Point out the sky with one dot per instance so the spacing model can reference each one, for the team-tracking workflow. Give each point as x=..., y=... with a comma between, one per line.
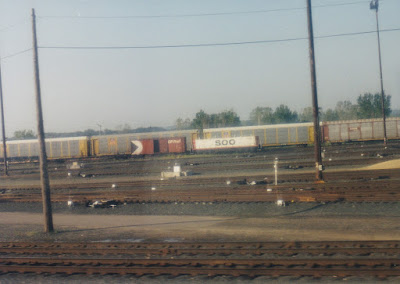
x=168, y=73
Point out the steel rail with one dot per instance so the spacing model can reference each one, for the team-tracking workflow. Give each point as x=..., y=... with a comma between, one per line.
x=235, y=267
x=331, y=177
x=293, y=244
x=253, y=248
x=67, y=258
x=220, y=195
x=209, y=252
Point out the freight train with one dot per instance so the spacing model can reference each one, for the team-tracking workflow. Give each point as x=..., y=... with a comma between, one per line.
x=215, y=139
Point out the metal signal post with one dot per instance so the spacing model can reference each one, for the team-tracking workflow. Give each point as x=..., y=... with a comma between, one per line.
x=44, y=175
x=317, y=136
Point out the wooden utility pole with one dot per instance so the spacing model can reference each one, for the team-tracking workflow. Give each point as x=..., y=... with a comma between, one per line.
x=374, y=5
x=317, y=135
x=3, y=129
x=44, y=175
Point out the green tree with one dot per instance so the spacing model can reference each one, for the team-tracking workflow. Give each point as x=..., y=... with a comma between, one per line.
x=306, y=115
x=181, y=124
x=283, y=114
x=370, y=105
x=330, y=115
x=228, y=118
x=201, y=120
x=346, y=110
x=24, y=134
x=91, y=132
x=214, y=120
x=223, y=119
x=395, y=113
x=262, y=115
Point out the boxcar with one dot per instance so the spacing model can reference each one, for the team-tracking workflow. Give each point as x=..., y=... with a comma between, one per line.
x=117, y=144
x=158, y=146
x=269, y=135
x=360, y=130
x=56, y=148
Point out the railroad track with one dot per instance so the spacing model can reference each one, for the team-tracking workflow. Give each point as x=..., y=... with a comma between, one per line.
x=230, y=164
x=369, y=258
x=286, y=179
x=108, y=166
x=368, y=186
x=169, y=196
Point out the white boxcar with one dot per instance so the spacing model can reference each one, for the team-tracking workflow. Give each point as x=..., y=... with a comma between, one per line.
x=230, y=143
x=275, y=134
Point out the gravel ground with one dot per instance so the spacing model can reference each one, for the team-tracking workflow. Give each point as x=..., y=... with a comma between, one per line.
x=242, y=209
x=261, y=221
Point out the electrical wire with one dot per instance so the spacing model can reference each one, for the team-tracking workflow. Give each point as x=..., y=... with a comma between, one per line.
x=358, y=33
x=16, y=24
x=170, y=16
x=202, y=14
x=15, y=54
x=214, y=44
x=169, y=46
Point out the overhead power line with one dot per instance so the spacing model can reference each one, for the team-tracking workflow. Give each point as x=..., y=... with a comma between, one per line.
x=15, y=54
x=171, y=16
x=170, y=46
x=203, y=14
x=9, y=27
x=358, y=33
x=213, y=44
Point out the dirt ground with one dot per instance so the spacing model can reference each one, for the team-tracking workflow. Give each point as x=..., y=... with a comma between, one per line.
x=19, y=226
x=393, y=164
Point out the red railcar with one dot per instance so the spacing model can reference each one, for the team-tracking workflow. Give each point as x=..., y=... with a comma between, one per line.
x=158, y=146
x=177, y=145
x=142, y=147
x=161, y=145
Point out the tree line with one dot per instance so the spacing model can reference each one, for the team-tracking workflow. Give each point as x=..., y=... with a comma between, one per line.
x=366, y=106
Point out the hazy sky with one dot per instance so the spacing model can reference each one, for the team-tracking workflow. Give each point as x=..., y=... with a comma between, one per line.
x=82, y=88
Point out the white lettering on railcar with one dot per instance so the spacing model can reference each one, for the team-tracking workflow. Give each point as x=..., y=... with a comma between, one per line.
x=175, y=141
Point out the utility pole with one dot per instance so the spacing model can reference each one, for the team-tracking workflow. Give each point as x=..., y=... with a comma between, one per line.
x=3, y=128
x=44, y=175
x=99, y=125
x=374, y=5
x=317, y=135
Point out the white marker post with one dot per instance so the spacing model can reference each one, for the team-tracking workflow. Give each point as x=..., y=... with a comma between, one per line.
x=276, y=170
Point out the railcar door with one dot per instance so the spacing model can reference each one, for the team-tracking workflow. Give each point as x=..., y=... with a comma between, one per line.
x=83, y=148
x=95, y=147
x=156, y=146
